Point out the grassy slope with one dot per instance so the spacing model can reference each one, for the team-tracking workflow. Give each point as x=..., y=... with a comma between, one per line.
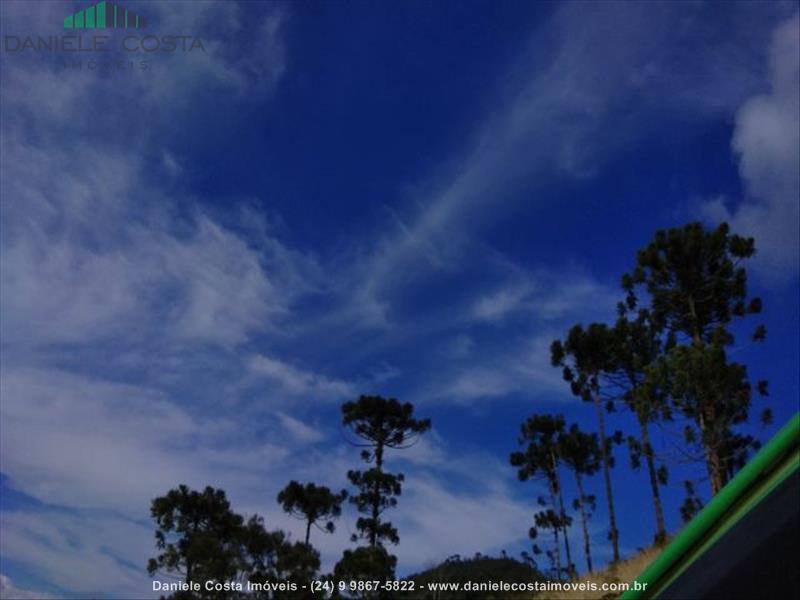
x=508, y=569
x=623, y=572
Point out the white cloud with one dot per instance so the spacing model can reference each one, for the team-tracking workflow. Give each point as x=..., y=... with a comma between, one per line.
x=70, y=288
x=545, y=295
x=519, y=367
x=767, y=142
x=455, y=500
x=299, y=382
x=8, y=591
x=590, y=83
x=300, y=431
x=107, y=266
x=122, y=296
x=90, y=555
x=531, y=309
x=211, y=265
x=501, y=302
x=106, y=449
x=94, y=241
x=437, y=522
x=117, y=286
x=82, y=442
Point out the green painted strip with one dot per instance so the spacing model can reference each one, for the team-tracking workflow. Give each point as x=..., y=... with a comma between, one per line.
x=79, y=19
x=738, y=511
x=101, y=14
x=90, y=17
x=137, y=21
x=126, y=18
x=766, y=470
x=115, y=16
x=68, y=22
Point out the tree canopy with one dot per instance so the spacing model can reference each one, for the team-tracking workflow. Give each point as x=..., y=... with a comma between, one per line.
x=312, y=504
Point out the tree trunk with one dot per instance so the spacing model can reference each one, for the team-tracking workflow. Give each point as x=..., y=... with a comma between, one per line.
x=562, y=515
x=716, y=475
x=584, y=522
x=308, y=532
x=557, y=548
x=661, y=528
x=373, y=534
x=613, y=534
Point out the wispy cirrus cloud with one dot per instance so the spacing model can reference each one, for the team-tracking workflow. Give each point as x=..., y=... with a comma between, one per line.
x=299, y=430
x=585, y=101
x=299, y=382
x=9, y=590
x=491, y=373
x=544, y=295
x=153, y=336
x=71, y=440
x=117, y=289
x=84, y=555
x=93, y=238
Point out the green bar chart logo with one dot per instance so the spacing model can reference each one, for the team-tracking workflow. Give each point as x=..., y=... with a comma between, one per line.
x=105, y=15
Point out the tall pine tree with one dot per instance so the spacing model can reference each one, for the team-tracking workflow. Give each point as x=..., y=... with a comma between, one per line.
x=697, y=288
x=584, y=356
x=312, y=503
x=580, y=451
x=378, y=424
x=540, y=436
x=636, y=346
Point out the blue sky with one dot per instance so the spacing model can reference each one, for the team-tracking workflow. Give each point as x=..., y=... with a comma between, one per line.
x=203, y=259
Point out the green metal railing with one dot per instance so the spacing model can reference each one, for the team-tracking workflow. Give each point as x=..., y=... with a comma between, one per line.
x=773, y=463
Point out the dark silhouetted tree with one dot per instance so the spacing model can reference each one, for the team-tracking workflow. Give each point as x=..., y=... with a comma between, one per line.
x=365, y=564
x=378, y=424
x=271, y=558
x=198, y=535
x=316, y=505
x=580, y=452
x=261, y=550
x=539, y=436
x=697, y=288
x=716, y=394
x=584, y=356
x=201, y=539
x=636, y=347
x=544, y=520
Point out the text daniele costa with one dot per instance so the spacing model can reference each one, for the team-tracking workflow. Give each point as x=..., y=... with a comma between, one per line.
x=224, y=586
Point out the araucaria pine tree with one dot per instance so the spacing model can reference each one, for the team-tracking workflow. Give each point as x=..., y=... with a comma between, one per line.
x=697, y=288
x=315, y=504
x=200, y=538
x=580, y=452
x=544, y=520
x=540, y=436
x=378, y=424
x=636, y=346
x=584, y=357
